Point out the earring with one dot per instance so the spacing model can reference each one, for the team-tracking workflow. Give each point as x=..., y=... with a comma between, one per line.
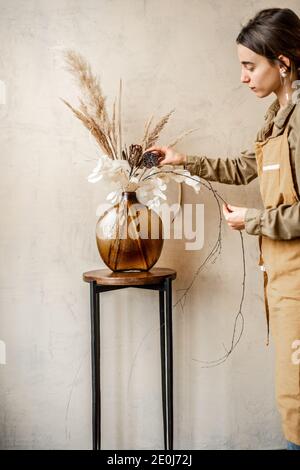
x=284, y=80
x=283, y=73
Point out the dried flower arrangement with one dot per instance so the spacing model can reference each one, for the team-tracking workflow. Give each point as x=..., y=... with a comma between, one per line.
x=129, y=168
x=133, y=169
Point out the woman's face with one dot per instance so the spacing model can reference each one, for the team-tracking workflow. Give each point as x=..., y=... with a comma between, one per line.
x=257, y=72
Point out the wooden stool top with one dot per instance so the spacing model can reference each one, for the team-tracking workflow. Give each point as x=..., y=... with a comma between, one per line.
x=130, y=278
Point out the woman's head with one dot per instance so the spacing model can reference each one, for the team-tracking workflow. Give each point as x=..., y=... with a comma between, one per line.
x=267, y=44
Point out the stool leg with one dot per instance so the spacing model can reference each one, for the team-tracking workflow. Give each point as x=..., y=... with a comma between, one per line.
x=169, y=359
x=95, y=356
x=162, y=319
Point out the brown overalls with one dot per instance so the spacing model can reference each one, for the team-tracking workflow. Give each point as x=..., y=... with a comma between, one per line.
x=280, y=260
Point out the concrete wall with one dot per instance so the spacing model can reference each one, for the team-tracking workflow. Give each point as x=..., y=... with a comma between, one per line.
x=169, y=53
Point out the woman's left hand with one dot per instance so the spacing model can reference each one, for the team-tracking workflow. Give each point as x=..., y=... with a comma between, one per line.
x=235, y=216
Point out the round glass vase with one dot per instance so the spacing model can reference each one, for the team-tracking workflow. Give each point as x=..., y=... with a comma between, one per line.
x=129, y=235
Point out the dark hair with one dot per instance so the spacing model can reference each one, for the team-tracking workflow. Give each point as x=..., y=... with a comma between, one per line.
x=272, y=32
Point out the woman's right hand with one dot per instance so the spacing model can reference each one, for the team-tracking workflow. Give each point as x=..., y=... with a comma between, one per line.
x=168, y=156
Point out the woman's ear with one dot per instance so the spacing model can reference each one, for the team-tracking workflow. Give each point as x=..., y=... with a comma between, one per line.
x=285, y=60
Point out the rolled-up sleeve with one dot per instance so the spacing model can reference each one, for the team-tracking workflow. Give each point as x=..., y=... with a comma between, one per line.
x=281, y=223
x=236, y=171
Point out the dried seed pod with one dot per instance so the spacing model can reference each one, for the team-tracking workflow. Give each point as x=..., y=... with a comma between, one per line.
x=151, y=159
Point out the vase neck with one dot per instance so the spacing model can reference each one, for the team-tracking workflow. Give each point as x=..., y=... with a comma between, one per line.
x=129, y=196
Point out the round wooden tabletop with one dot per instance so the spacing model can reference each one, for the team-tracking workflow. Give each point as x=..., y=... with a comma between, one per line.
x=129, y=278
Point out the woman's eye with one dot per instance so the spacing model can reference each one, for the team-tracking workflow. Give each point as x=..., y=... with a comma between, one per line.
x=250, y=69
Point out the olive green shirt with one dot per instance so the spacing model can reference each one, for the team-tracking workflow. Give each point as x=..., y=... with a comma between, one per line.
x=282, y=222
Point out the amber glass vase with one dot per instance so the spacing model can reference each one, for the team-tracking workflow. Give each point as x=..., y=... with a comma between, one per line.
x=129, y=235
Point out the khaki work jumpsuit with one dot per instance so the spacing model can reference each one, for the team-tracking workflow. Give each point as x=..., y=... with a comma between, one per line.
x=280, y=260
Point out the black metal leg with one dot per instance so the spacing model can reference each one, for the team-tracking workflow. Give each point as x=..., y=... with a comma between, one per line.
x=95, y=356
x=169, y=361
x=166, y=341
x=162, y=319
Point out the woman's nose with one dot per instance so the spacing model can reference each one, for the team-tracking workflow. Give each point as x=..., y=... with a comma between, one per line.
x=244, y=78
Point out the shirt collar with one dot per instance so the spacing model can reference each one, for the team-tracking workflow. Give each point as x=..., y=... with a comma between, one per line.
x=279, y=116
x=272, y=110
x=282, y=116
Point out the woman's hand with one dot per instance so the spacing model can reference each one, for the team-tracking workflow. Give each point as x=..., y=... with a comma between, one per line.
x=235, y=216
x=168, y=156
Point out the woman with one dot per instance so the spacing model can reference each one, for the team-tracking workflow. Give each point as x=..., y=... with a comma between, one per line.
x=269, y=53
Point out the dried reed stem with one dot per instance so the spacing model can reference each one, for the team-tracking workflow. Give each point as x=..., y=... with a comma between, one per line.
x=90, y=124
x=120, y=120
x=93, y=103
x=155, y=133
x=181, y=136
x=146, y=132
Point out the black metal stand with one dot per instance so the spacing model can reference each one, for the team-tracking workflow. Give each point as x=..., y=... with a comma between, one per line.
x=166, y=342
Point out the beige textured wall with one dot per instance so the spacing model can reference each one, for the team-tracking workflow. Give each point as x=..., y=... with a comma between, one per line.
x=170, y=53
